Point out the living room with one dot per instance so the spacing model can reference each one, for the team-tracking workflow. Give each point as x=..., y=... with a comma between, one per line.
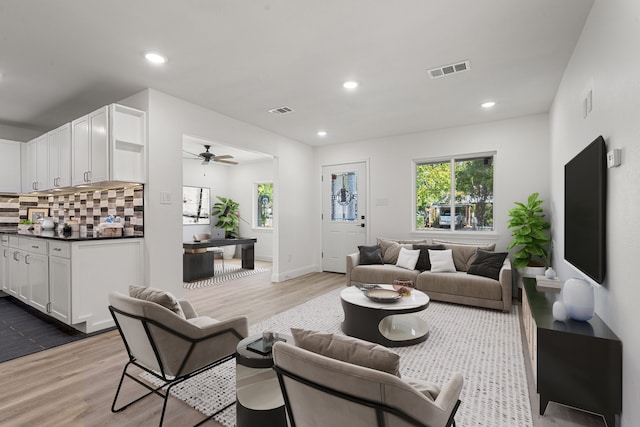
x=531, y=152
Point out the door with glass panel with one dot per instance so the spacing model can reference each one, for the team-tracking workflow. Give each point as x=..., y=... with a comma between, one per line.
x=343, y=213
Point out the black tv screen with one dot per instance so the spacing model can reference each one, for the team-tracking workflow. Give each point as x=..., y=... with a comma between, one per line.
x=585, y=200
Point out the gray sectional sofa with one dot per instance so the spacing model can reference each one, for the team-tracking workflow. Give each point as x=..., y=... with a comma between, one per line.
x=462, y=286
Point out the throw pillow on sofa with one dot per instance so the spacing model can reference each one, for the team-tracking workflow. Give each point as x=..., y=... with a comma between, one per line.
x=391, y=248
x=441, y=261
x=408, y=258
x=370, y=255
x=424, y=263
x=464, y=253
x=487, y=264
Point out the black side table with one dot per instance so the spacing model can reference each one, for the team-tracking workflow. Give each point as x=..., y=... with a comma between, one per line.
x=259, y=399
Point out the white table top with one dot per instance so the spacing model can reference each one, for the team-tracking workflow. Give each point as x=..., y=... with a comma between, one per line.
x=353, y=295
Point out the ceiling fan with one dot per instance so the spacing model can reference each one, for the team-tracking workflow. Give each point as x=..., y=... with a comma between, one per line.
x=207, y=157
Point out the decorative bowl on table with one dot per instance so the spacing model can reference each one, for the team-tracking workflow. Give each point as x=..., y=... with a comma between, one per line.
x=403, y=287
x=383, y=295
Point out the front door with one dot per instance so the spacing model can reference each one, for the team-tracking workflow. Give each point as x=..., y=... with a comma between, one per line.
x=344, y=197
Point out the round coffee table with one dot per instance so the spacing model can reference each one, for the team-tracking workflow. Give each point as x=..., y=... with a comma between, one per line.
x=259, y=399
x=391, y=324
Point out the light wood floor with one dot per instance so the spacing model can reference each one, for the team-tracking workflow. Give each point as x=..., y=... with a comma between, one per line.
x=74, y=384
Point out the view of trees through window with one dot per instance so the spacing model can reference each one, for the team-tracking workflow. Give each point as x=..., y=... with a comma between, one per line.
x=461, y=186
x=264, y=205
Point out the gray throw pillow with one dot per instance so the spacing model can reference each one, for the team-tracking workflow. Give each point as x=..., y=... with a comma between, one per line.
x=424, y=263
x=348, y=349
x=158, y=296
x=487, y=264
x=370, y=255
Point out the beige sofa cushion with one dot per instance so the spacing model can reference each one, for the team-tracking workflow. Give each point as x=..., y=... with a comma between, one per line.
x=391, y=248
x=464, y=253
x=461, y=284
x=158, y=296
x=348, y=349
x=381, y=273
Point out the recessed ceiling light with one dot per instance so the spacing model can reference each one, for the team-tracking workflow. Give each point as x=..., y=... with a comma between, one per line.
x=155, y=58
x=350, y=85
x=488, y=104
x=322, y=133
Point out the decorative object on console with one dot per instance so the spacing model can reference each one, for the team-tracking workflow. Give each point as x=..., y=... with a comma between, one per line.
x=579, y=299
x=559, y=311
x=545, y=284
x=550, y=273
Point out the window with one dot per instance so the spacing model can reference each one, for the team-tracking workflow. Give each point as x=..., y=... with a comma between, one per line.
x=264, y=211
x=455, y=194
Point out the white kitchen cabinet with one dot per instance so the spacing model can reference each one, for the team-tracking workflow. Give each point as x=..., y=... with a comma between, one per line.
x=28, y=271
x=35, y=164
x=60, y=281
x=10, y=159
x=5, y=254
x=60, y=157
x=109, y=144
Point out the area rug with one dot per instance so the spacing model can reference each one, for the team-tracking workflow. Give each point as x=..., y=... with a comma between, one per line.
x=230, y=272
x=484, y=345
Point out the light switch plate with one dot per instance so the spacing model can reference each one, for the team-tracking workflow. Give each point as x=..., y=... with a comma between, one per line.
x=165, y=198
x=613, y=158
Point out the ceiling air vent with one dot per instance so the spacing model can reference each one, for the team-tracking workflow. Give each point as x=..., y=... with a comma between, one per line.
x=447, y=70
x=281, y=110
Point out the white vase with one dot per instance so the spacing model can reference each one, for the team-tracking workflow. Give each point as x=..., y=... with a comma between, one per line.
x=559, y=311
x=550, y=273
x=579, y=299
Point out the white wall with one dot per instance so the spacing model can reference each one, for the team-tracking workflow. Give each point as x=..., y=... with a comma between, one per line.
x=521, y=168
x=605, y=61
x=169, y=119
x=242, y=181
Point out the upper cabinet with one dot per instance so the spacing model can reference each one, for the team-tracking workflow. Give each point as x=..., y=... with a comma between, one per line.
x=35, y=164
x=60, y=157
x=10, y=154
x=109, y=144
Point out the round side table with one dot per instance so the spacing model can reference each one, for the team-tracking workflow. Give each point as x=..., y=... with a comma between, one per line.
x=259, y=401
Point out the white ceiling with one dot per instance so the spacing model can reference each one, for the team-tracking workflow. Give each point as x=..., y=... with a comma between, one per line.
x=60, y=59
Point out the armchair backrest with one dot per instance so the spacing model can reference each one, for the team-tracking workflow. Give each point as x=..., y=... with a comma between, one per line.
x=320, y=391
x=164, y=342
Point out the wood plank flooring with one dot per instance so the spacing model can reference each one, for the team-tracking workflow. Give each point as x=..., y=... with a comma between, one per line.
x=74, y=384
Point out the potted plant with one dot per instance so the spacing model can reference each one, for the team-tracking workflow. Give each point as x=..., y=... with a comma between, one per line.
x=528, y=228
x=226, y=211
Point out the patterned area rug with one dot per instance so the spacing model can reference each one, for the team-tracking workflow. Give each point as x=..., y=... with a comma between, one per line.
x=230, y=272
x=484, y=345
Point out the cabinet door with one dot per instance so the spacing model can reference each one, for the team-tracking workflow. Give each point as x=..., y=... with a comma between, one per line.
x=60, y=288
x=99, y=145
x=10, y=166
x=80, y=151
x=42, y=163
x=5, y=256
x=14, y=274
x=28, y=166
x=60, y=157
x=38, y=280
x=23, y=278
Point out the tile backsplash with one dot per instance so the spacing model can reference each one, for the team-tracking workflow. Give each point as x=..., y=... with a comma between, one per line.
x=88, y=207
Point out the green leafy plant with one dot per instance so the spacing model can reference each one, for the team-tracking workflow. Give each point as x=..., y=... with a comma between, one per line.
x=528, y=227
x=25, y=222
x=226, y=210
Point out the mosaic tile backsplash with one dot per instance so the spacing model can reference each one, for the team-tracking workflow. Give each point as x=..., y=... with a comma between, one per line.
x=89, y=208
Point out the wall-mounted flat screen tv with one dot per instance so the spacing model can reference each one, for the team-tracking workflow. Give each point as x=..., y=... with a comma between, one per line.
x=585, y=208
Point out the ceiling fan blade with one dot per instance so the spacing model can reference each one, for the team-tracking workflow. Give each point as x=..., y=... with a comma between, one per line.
x=229, y=162
x=195, y=156
x=224, y=156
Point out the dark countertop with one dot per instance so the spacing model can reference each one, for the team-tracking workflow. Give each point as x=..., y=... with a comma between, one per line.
x=58, y=235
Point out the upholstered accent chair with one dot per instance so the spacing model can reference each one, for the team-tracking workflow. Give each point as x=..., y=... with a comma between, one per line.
x=323, y=391
x=166, y=338
x=217, y=251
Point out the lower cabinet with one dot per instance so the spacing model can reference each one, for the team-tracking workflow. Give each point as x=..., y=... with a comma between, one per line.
x=71, y=281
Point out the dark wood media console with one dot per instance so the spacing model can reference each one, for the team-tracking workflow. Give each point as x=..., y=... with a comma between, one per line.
x=578, y=364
